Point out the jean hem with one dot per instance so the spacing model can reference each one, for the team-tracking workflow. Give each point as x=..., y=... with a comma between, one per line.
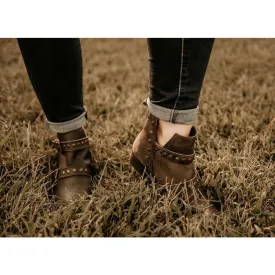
x=67, y=126
x=175, y=116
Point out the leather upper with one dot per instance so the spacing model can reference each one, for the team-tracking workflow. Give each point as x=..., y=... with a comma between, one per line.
x=168, y=164
x=75, y=165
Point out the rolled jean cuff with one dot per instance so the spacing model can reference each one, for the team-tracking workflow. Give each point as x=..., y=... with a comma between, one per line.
x=172, y=115
x=67, y=126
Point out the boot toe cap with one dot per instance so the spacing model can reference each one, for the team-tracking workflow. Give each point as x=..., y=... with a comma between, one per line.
x=72, y=188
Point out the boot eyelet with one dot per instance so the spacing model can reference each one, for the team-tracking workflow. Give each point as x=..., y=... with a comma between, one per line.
x=68, y=171
x=150, y=140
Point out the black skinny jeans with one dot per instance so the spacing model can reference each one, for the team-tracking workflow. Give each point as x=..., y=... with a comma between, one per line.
x=55, y=69
x=177, y=69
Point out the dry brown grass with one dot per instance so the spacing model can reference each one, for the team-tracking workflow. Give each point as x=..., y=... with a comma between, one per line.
x=235, y=148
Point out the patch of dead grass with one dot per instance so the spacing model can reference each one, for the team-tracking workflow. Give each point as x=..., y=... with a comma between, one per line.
x=235, y=148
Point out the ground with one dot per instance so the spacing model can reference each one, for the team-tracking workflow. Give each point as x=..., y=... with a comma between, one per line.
x=235, y=151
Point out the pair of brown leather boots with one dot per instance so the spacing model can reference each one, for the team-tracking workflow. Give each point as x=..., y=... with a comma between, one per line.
x=172, y=164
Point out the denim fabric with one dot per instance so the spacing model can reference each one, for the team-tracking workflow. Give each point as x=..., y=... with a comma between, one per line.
x=67, y=126
x=177, y=69
x=54, y=66
x=181, y=117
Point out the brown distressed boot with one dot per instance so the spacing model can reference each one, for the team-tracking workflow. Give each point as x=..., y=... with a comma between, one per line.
x=75, y=165
x=172, y=164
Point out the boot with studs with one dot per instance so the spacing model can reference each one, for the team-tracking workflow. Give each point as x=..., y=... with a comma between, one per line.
x=75, y=165
x=170, y=165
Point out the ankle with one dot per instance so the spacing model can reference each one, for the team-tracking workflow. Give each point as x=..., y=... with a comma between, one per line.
x=166, y=130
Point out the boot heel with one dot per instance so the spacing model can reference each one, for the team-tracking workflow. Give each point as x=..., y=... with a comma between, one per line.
x=139, y=167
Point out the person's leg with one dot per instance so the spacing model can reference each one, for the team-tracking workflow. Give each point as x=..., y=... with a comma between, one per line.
x=165, y=146
x=55, y=70
x=177, y=69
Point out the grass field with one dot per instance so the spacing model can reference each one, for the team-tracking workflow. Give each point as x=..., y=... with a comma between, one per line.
x=235, y=148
